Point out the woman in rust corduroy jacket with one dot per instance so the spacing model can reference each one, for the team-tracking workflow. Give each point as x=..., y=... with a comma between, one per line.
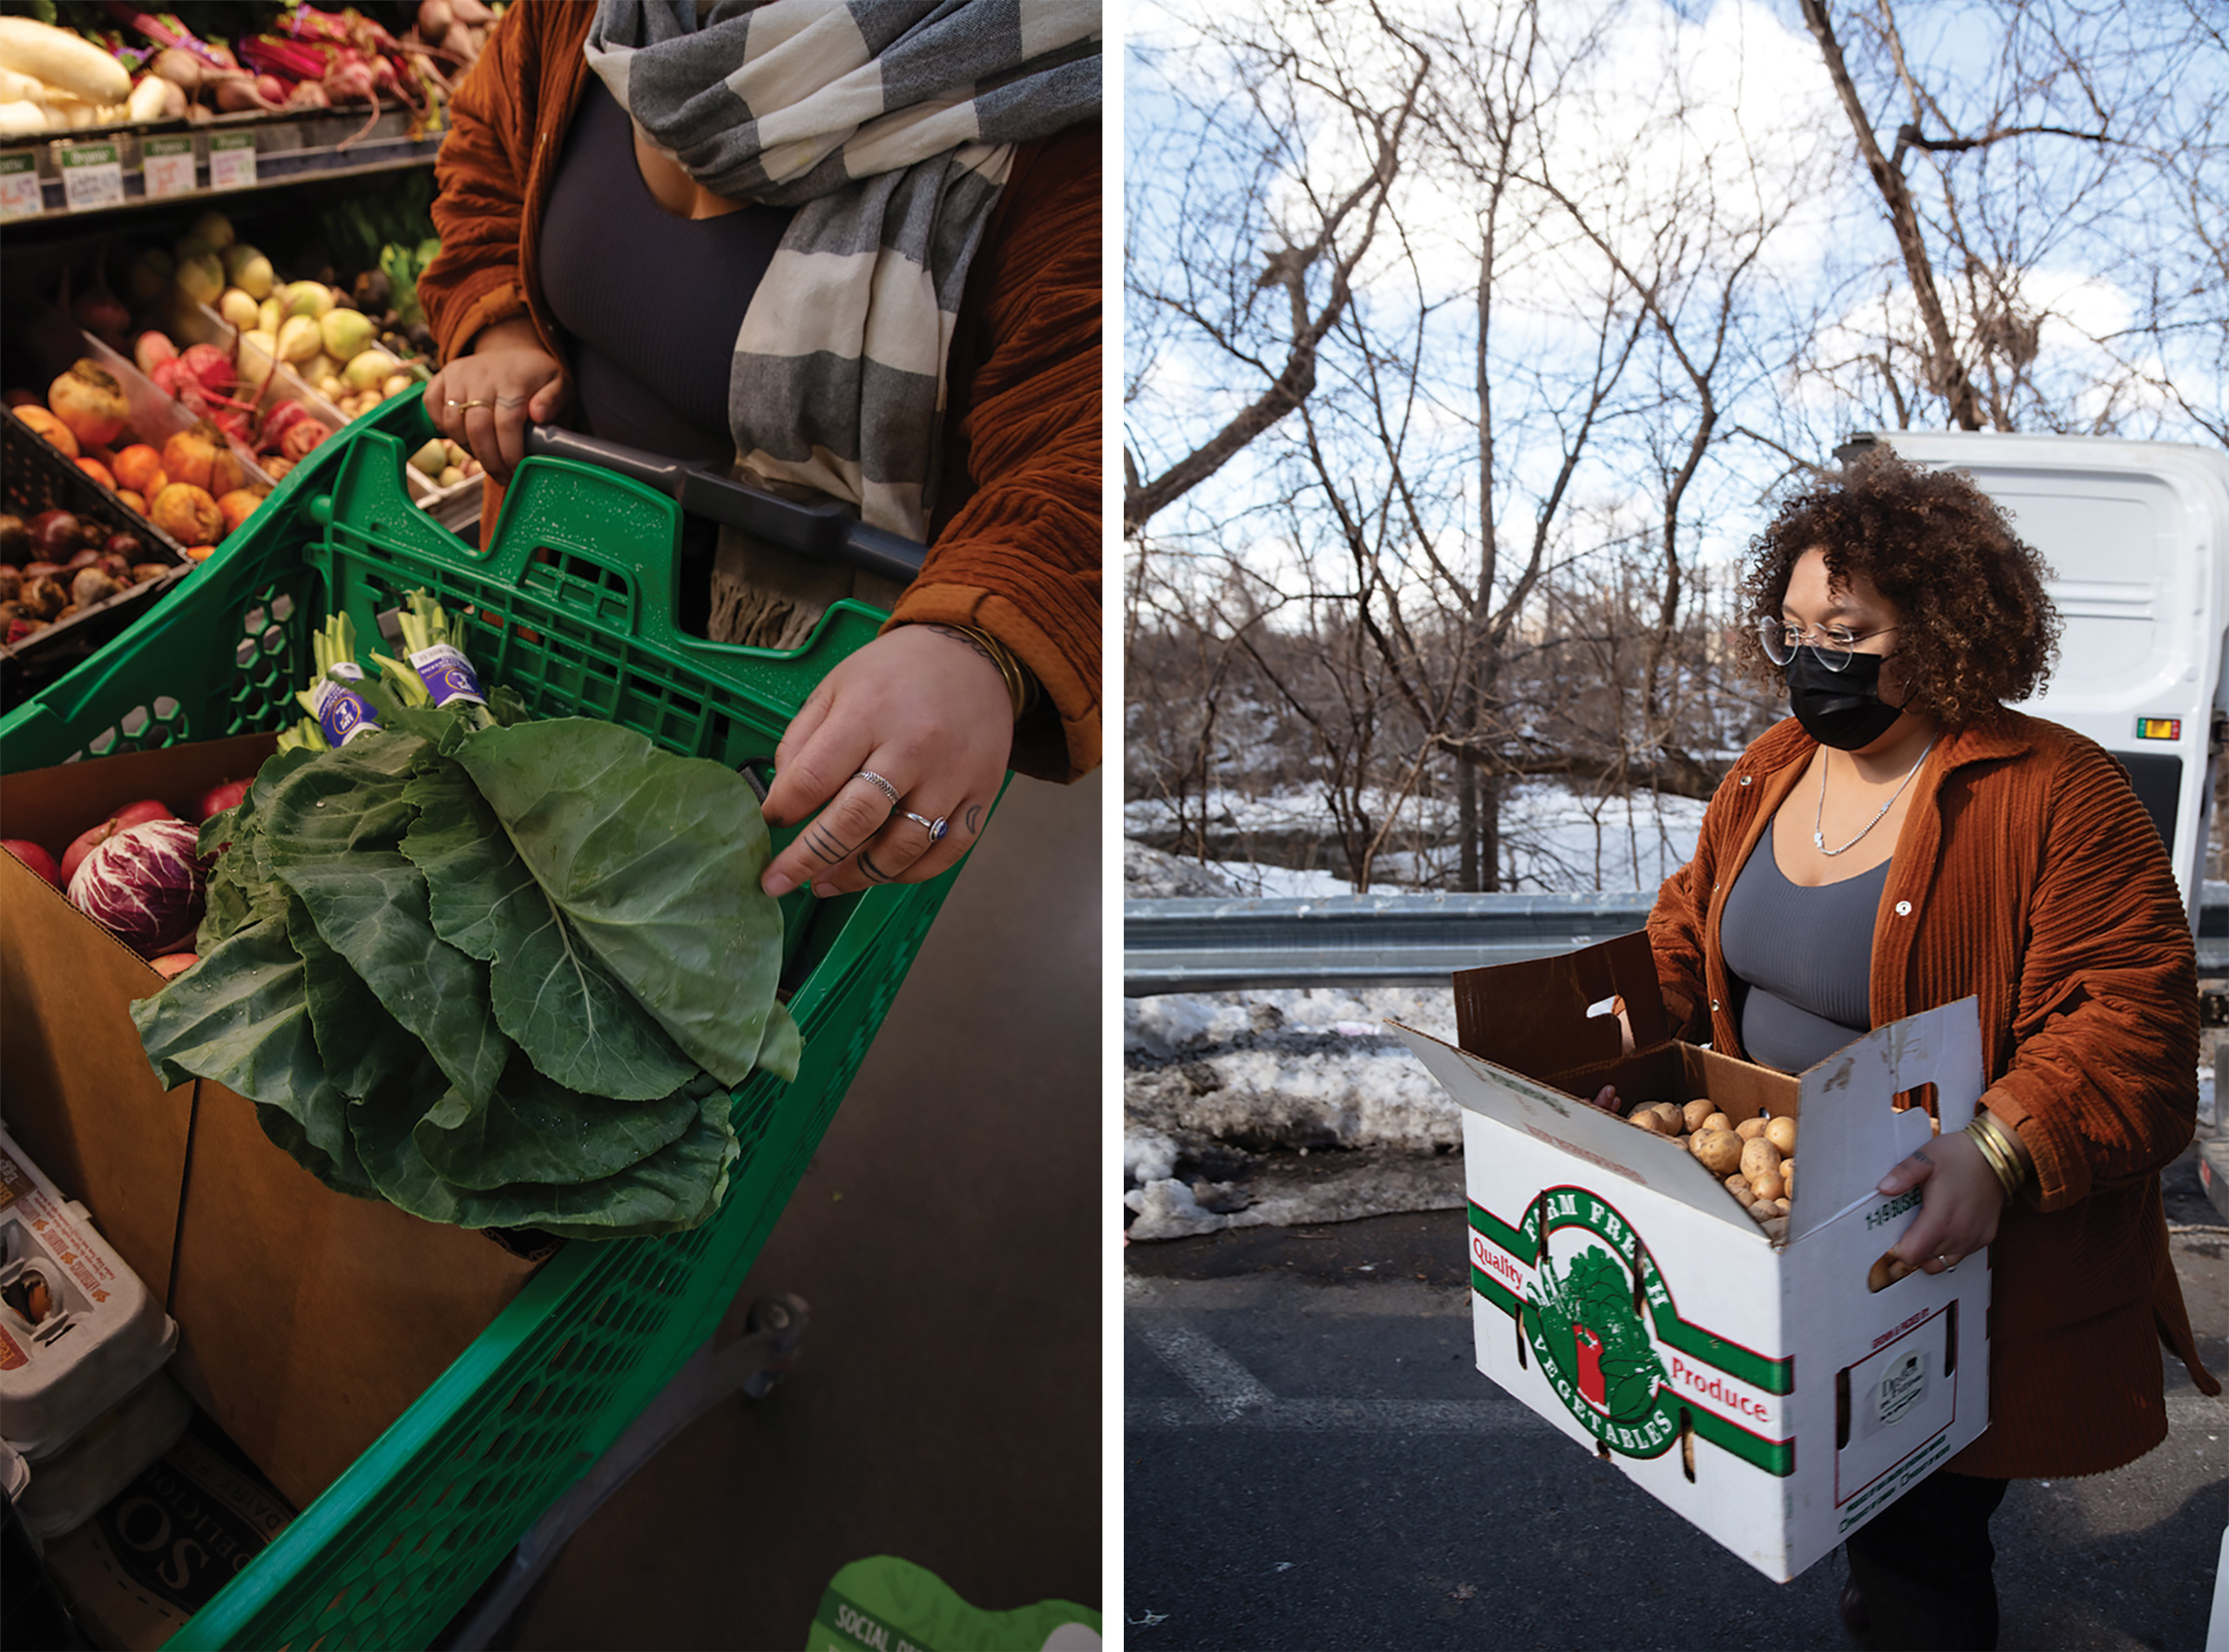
x=1014, y=541
x=2024, y=871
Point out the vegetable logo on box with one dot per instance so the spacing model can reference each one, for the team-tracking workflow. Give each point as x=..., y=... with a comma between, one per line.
x=1592, y=1310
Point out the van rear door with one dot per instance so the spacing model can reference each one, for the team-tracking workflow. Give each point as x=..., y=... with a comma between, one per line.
x=2137, y=537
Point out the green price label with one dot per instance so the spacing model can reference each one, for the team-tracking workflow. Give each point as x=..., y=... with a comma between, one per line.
x=19, y=195
x=92, y=176
x=167, y=164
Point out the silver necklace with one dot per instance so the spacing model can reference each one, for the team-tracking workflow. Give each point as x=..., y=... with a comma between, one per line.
x=1818, y=837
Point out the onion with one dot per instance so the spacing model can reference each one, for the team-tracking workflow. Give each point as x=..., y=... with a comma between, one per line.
x=144, y=886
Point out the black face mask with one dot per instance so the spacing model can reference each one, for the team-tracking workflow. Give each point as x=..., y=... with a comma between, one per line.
x=1839, y=708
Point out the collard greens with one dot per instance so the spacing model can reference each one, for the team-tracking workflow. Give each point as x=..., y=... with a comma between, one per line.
x=495, y=975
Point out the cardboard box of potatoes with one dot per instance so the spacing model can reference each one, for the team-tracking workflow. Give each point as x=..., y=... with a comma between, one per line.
x=1669, y=1292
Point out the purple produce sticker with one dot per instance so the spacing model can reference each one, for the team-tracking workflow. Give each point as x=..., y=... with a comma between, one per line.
x=341, y=713
x=448, y=675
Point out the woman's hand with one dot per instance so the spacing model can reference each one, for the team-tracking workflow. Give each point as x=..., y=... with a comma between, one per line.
x=486, y=400
x=1959, y=1201
x=927, y=710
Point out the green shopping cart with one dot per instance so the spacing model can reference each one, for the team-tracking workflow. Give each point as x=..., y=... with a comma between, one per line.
x=574, y=607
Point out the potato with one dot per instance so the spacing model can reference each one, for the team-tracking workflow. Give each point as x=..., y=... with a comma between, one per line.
x=1649, y=1119
x=1738, y=1188
x=1783, y=1205
x=1715, y=1121
x=1695, y=1112
x=1750, y=1129
x=1768, y=1186
x=1788, y=1177
x=1720, y=1150
x=1781, y=1132
x=1776, y=1230
x=1758, y=1156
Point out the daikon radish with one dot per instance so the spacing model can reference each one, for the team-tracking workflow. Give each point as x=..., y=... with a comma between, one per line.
x=61, y=58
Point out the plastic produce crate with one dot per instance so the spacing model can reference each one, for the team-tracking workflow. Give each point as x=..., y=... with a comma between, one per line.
x=571, y=606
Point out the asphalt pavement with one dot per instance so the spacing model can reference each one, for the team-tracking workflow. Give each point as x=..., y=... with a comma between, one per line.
x=1313, y=1460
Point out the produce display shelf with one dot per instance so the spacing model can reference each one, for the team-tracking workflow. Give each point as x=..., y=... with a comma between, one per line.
x=572, y=606
x=288, y=149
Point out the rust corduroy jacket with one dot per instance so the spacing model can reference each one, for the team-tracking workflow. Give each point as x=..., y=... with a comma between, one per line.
x=2027, y=873
x=1015, y=539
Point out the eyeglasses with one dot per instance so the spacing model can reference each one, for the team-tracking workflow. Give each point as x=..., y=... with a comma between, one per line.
x=1834, y=644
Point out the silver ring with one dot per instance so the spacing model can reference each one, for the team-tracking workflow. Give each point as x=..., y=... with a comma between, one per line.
x=881, y=784
x=936, y=828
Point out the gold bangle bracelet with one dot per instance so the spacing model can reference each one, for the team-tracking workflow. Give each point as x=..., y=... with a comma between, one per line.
x=2000, y=1162
x=1021, y=686
x=1990, y=1137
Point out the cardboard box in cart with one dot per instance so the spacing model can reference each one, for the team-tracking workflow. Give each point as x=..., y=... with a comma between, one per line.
x=1777, y=1396
x=309, y=1320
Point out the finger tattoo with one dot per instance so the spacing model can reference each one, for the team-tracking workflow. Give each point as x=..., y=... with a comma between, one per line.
x=820, y=842
x=874, y=873
x=974, y=819
x=511, y=401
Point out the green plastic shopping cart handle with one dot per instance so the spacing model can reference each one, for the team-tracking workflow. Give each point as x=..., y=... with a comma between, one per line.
x=822, y=530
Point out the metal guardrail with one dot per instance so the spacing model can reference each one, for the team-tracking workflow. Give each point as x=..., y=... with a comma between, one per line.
x=1221, y=945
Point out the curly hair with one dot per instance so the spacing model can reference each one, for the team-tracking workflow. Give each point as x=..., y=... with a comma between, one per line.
x=1976, y=627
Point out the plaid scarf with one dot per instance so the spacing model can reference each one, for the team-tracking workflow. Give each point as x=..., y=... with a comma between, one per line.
x=890, y=126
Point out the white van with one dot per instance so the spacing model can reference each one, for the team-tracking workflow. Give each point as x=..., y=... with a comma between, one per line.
x=2137, y=537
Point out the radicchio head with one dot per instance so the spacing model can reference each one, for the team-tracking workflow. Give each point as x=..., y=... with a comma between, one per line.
x=144, y=886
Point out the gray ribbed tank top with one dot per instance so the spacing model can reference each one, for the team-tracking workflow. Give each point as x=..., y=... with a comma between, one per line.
x=1801, y=960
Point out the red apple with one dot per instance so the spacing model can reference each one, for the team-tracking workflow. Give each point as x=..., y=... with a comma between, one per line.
x=31, y=855
x=130, y=816
x=218, y=799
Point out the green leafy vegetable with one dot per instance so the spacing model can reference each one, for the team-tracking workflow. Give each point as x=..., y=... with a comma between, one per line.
x=656, y=859
x=497, y=972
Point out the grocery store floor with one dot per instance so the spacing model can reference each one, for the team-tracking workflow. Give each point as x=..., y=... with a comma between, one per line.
x=946, y=1239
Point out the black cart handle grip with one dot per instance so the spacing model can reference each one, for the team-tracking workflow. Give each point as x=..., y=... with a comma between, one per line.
x=822, y=530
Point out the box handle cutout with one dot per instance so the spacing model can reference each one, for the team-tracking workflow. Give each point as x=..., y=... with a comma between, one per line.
x=1842, y=1408
x=1687, y=1443
x=1888, y=1271
x=1950, y=1339
x=1602, y=1006
x=1923, y=1096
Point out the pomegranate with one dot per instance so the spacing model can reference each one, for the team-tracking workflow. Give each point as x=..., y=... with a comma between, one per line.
x=99, y=472
x=89, y=400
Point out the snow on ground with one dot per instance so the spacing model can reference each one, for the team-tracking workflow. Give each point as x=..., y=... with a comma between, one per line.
x=1554, y=838
x=1220, y=1089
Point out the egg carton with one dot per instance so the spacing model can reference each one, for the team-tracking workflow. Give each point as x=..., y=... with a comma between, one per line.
x=107, y=1455
x=78, y=1330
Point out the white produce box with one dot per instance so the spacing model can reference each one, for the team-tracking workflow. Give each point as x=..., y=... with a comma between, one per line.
x=1769, y=1392
x=102, y=1334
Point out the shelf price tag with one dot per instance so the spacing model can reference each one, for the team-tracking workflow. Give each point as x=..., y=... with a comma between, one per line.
x=19, y=195
x=92, y=176
x=231, y=159
x=168, y=164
